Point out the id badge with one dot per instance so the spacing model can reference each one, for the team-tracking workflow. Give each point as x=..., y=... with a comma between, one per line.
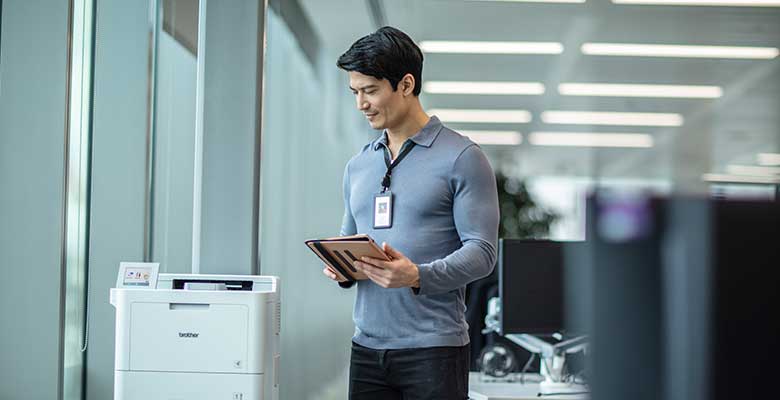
x=383, y=210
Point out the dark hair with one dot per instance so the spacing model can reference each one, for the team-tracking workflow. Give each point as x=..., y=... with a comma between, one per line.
x=388, y=54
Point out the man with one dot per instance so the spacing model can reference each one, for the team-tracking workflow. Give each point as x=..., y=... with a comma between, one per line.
x=431, y=193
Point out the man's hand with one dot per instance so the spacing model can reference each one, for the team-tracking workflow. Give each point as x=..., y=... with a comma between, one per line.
x=398, y=272
x=332, y=275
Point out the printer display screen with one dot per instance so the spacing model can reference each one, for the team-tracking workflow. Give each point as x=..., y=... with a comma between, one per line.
x=137, y=276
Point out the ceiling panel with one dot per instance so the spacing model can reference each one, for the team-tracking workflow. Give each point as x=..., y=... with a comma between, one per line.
x=717, y=132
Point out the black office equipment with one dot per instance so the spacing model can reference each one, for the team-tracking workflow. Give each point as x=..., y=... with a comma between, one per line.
x=532, y=294
x=530, y=276
x=744, y=255
x=622, y=271
x=683, y=297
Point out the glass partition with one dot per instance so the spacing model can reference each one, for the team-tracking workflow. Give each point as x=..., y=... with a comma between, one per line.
x=175, y=152
x=205, y=135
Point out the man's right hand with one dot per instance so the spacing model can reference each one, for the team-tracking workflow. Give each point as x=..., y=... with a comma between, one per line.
x=332, y=275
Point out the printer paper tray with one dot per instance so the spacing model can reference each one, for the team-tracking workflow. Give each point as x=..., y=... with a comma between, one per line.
x=146, y=385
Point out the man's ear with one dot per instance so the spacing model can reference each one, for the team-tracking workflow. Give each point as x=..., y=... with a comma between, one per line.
x=407, y=84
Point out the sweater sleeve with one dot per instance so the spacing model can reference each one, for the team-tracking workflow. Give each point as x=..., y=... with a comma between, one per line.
x=476, y=215
x=348, y=226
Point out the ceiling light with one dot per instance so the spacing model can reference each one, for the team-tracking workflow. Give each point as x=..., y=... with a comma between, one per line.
x=494, y=137
x=626, y=90
x=666, y=50
x=529, y=1
x=752, y=170
x=477, y=47
x=769, y=159
x=485, y=116
x=511, y=88
x=739, y=178
x=726, y=3
x=611, y=118
x=588, y=139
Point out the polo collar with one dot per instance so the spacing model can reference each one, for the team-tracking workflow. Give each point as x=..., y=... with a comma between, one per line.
x=424, y=137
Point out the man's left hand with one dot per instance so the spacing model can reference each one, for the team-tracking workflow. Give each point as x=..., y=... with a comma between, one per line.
x=398, y=272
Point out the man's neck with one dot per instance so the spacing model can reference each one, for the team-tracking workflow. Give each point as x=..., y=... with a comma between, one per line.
x=408, y=128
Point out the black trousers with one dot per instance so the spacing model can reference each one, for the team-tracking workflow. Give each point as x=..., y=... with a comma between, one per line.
x=409, y=374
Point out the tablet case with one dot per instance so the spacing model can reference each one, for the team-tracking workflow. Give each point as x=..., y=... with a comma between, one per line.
x=340, y=252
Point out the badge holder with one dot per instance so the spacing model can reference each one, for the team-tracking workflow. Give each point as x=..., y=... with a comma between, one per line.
x=383, y=210
x=383, y=201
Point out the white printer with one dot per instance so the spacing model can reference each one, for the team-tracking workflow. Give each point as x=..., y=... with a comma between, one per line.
x=198, y=337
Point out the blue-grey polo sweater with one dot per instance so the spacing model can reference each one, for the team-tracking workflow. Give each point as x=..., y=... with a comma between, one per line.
x=445, y=220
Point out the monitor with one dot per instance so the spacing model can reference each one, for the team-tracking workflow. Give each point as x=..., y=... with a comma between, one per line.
x=531, y=286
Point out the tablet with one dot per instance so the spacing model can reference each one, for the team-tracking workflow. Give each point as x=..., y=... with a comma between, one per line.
x=340, y=252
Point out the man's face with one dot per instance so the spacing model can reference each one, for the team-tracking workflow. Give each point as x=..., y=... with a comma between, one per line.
x=383, y=107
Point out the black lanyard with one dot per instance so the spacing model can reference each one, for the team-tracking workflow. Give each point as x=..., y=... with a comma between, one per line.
x=390, y=166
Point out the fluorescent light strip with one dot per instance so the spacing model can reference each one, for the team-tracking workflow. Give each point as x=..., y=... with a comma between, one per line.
x=630, y=90
x=589, y=139
x=529, y=1
x=482, y=116
x=477, y=47
x=727, y=178
x=752, y=170
x=769, y=159
x=666, y=50
x=502, y=88
x=611, y=118
x=510, y=138
x=716, y=3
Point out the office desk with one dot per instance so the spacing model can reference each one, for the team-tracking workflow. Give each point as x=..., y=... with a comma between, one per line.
x=511, y=390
